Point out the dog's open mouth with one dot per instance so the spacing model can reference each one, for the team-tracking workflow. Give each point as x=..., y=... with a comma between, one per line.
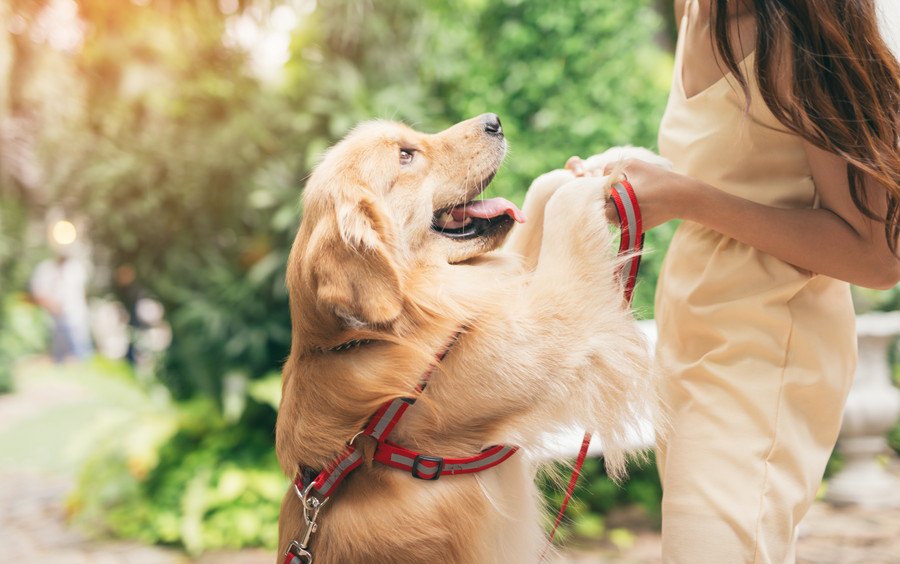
x=475, y=218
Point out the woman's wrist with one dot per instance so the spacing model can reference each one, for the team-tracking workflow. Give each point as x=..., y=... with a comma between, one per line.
x=684, y=197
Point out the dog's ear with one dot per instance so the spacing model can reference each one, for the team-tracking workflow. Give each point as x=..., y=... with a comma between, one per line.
x=354, y=270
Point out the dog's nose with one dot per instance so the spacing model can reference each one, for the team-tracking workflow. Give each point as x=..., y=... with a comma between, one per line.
x=492, y=125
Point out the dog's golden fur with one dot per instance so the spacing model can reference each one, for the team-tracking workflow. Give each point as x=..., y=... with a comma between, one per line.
x=548, y=343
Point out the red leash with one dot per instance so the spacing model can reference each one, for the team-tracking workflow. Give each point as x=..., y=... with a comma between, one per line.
x=630, y=245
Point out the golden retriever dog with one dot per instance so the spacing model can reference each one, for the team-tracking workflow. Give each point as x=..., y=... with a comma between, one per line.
x=394, y=256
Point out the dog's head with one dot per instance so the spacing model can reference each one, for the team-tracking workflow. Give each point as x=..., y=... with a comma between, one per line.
x=388, y=199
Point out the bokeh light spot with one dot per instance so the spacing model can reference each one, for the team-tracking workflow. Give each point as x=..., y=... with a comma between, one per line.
x=64, y=232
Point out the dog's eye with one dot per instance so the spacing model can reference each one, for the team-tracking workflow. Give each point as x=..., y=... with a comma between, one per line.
x=406, y=156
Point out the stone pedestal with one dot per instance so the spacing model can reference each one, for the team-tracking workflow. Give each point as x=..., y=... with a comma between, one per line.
x=873, y=408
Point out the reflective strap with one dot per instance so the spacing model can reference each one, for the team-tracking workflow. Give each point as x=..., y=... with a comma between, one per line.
x=396, y=456
x=632, y=239
x=386, y=417
x=331, y=477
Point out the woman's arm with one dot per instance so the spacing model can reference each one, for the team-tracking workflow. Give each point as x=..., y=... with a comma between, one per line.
x=836, y=239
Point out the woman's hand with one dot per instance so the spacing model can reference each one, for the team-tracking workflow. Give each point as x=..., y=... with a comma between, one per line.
x=661, y=193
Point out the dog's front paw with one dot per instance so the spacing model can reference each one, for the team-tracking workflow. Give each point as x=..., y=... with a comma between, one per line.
x=580, y=196
x=577, y=215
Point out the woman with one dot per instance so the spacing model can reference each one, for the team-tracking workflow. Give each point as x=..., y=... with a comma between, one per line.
x=782, y=125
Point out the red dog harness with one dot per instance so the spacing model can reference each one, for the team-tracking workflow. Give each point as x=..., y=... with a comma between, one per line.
x=315, y=489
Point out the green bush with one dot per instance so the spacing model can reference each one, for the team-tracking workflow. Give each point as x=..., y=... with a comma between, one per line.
x=597, y=494
x=24, y=330
x=13, y=218
x=186, y=478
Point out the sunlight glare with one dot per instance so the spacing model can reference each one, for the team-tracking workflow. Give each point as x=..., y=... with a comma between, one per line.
x=64, y=232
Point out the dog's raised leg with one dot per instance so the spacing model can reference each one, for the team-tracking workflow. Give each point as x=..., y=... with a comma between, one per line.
x=525, y=240
x=602, y=361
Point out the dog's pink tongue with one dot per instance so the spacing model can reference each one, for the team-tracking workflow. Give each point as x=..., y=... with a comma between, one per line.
x=488, y=209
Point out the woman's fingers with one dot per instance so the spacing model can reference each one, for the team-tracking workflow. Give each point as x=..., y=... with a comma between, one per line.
x=614, y=166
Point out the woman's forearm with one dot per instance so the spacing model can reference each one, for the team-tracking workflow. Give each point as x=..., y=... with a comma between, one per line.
x=817, y=240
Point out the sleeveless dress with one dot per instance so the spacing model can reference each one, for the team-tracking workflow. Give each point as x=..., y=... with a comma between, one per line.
x=757, y=356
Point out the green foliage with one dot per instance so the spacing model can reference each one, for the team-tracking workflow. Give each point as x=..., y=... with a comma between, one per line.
x=597, y=494
x=566, y=77
x=187, y=478
x=865, y=300
x=183, y=170
x=23, y=330
x=26, y=326
x=12, y=227
x=6, y=376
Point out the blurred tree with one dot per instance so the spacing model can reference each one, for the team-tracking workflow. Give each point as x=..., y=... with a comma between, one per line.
x=179, y=163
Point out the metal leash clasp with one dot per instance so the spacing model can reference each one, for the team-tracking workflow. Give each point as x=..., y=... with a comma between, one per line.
x=296, y=554
x=298, y=550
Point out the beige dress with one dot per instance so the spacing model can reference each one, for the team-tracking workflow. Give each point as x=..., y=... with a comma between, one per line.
x=757, y=355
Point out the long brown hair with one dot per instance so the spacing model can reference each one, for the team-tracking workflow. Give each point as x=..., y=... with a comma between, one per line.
x=844, y=91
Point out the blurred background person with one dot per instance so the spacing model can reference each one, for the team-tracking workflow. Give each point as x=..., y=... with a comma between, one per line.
x=58, y=285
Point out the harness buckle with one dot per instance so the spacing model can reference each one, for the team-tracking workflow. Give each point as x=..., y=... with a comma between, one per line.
x=416, y=469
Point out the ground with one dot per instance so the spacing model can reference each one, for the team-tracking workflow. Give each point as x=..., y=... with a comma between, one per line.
x=41, y=446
